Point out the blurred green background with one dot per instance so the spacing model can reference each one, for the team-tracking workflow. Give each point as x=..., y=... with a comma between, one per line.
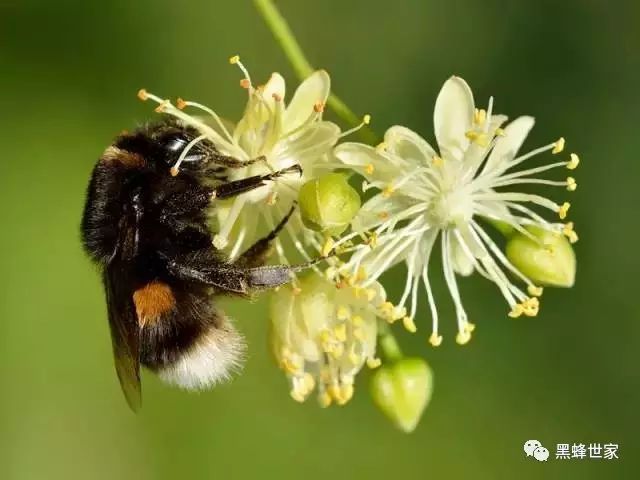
x=70, y=71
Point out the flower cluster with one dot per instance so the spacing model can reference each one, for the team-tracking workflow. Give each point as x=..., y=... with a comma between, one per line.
x=427, y=196
x=325, y=325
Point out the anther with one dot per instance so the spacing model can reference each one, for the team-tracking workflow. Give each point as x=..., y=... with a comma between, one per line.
x=143, y=95
x=437, y=161
x=500, y=132
x=235, y=59
x=558, y=146
x=573, y=162
x=276, y=97
x=373, y=362
x=571, y=184
x=409, y=324
x=174, y=171
x=181, y=104
x=516, y=311
x=534, y=291
x=366, y=119
x=341, y=332
x=245, y=83
x=318, y=107
x=562, y=211
x=388, y=191
x=435, y=339
x=462, y=338
x=369, y=169
x=568, y=232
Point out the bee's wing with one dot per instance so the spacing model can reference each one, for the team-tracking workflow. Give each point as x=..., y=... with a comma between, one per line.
x=125, y=334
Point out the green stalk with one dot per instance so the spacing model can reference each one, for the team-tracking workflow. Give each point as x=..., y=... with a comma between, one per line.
x=301, y=65
x=388, y=343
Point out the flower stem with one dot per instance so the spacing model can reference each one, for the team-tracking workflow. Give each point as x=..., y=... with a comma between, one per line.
x=388, y=343
x=301, y=65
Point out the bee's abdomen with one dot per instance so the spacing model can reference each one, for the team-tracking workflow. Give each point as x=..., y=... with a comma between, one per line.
x=193, y=345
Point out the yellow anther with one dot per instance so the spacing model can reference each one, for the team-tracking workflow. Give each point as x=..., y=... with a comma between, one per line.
x=462, y=338
x=245, y=83
x=346, y=394
x=409, y=324
x=471, y=135
x=479, y=116
x=373, y=362
x=276, y=97
x=531, y=307
x=388, y=191
x=357, y=321
x=343, y=313
x=558, y=146
x=327, y=247
x=562, y=211
x=324, y=399
x=366, y=119
x=470, y=327
x=435, y=339
x=180, y=104
x=325, y=336
x=297, y=395
x=570, y=233
x=383, y=215
x=296, y=291
x=369, y=168
x=371, y=294
x=574, y=162
x=437, y=161
x=337, y=350
x=334, y=391
x=534, y=291
x=571, y=184
x=235, y=59
x=341, y=332
x=318, y=107
x=361, y=275
x=143, y=95
x=500, y=132
x=516, y=311
x=478, y=138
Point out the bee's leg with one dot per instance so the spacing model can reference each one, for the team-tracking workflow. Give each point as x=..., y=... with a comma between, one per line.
x=237, y=187
x=257, y=253
x=232, y=162
x=230, y=278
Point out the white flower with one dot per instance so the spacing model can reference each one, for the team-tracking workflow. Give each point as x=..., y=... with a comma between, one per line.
x=425, y=196
x=285, y=135
x=322, y=335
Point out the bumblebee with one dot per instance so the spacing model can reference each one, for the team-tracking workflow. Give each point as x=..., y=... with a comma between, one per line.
x=145, y=226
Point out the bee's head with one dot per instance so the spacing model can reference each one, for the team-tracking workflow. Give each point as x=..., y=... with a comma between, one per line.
x=168, y=146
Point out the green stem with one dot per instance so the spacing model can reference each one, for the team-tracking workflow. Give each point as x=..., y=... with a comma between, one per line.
x=388, y=343
x=301, y=65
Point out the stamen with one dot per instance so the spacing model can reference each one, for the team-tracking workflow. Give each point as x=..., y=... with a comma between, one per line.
x=534, y=291
x=246, y=81
x=569, y=232
x=409, y=324
x=176, y=167
x=143, y=95
x=318, y=107
x=571, y=184
x=562, y=211
x=558, y=146
x=574, y=162
x=366, y=120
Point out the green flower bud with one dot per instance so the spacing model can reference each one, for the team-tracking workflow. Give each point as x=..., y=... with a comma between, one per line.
x=551, y=261
x=328, y=204
x=402, y=391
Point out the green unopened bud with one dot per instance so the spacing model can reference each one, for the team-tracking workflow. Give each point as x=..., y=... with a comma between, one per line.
x=549, y=261
x=402, y=391
x=328, y=204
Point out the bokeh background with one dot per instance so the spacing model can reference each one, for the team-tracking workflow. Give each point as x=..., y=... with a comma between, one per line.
x=69, y=74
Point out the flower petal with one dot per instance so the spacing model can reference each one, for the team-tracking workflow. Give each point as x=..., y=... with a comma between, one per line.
x=452, y=116
x=462, y=264
x=408, y=145
x=507, y=146
x=275, y=86
x=368, y=162
x=312, y=90
x=308, y=146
